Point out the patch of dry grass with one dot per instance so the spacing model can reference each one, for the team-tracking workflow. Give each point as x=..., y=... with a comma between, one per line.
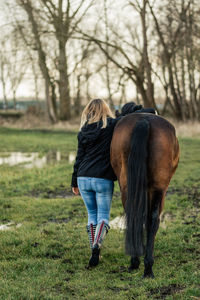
x=40, y=121
x=187, y=129
x=32, y=121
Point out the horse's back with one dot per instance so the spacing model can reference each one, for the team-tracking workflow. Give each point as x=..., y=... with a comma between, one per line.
x=161, y=131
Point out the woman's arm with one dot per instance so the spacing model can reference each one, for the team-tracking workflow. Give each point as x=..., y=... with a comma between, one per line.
x=79, y=158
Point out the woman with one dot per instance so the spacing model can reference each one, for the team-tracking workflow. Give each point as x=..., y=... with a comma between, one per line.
x=93, y=175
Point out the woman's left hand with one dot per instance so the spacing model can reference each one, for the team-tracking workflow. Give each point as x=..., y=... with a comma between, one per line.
x=75, y=190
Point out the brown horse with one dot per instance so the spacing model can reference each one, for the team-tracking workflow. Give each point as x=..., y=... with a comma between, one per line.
x=144, y=156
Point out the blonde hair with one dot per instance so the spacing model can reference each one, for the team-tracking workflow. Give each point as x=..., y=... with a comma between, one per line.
x=95, y=111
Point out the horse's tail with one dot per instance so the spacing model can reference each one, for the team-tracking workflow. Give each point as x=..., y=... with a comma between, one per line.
x=137, y=198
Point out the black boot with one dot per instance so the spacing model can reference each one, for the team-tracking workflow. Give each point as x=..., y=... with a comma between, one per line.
x=101, y=231
x=94, y=259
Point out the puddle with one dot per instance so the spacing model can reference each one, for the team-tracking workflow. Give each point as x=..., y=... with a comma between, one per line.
x=9, y=226
x=34, y=159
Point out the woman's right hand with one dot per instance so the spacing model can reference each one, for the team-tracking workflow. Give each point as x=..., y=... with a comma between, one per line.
x=75, y=190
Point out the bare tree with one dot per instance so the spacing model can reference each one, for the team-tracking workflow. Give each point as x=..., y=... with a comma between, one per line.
x=13, y=66
x=178, y=56
x=81, y=73
x=3, y=72
x=107, y=58
x=17, y=64
x=31, y=57
x=142, y=10
x=119, y=51
x=49, y=82
x=63, y=18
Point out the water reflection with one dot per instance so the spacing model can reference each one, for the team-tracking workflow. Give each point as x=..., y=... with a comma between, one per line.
x=9, y=226
x=71, y=157
x=34, y=159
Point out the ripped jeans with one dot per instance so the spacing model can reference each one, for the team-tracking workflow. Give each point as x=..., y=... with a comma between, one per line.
x=97, y=196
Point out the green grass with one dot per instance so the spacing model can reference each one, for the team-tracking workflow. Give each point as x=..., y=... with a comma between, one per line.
x=36, y=140
x=45, y=258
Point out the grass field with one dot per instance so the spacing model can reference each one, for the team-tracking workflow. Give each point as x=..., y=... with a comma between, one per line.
x=44, y=254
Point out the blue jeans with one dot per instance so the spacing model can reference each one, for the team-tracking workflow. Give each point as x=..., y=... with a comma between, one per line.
x=97, y=196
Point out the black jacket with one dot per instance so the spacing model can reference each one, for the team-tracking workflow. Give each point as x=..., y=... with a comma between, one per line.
x=93, y=155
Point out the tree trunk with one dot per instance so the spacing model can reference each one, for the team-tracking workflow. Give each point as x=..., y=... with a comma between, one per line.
x=147, y=65
x=3, y=82
x=190, y=63
x=173, y=92
x=184, y=108
x=14, y=99
x=5, y=100
x=64, y=92
x=169, y=66
x=107, y=59
x=50, y=96
x=140, y=87
x=77, y=102
x=178, y=90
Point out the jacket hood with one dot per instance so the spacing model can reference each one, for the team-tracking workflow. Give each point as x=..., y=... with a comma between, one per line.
x=91, y=132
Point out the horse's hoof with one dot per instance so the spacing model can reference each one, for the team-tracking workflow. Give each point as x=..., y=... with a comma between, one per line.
x=148, y=275
x=132, y=268
x=88, y=267
x=135, y=263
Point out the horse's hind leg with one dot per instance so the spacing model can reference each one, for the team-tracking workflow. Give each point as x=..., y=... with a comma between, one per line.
x=152, y=227
x=135, y=263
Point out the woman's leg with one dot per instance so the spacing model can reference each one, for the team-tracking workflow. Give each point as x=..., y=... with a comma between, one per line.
x=89, y=198
x=104, y=192
x=84, y=184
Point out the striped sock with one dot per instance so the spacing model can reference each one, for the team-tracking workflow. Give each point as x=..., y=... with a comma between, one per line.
x=101, y=231
x=91, y=233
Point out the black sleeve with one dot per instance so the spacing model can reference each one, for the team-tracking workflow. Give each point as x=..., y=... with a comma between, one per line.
x=79, y=158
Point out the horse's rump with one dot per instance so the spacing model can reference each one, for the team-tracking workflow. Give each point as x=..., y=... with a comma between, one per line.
x=163, y=149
